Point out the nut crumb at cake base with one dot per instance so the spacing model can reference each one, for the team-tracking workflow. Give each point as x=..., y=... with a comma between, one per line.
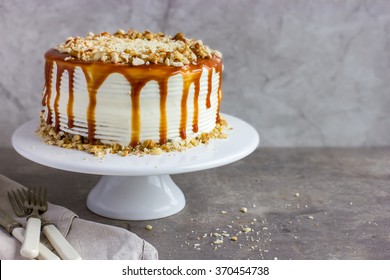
x=66, y=140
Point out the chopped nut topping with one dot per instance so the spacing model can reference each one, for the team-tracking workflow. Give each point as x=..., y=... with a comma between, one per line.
x=136, y=48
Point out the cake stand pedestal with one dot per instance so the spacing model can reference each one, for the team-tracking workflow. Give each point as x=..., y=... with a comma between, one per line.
x=136, y=197
x=138, y=187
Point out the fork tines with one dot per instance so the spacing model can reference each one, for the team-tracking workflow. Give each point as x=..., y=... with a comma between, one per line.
x=32, y=196
x=37, y=196
x=17, y=198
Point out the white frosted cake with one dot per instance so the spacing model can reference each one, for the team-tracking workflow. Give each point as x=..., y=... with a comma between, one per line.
x=131, y=92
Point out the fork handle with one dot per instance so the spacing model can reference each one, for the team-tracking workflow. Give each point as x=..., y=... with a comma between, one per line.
x=44, y=252
x=30, y=246
x=62, y=246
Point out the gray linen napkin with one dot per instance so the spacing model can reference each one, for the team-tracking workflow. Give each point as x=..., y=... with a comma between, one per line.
x=93, y=241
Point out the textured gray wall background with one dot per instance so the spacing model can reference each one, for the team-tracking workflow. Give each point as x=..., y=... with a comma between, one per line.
x=303, y=73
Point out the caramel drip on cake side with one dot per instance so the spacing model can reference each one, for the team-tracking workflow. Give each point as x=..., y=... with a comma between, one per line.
x=48, y=92
x=60, y=71
x=136, y=87
x=46, y=99
x=69, y=109
x=209, y=87
x=138, y=76
x=219, y=92
x=94, y=80
x=195, y=118
x=183, y=119
x=163, y=87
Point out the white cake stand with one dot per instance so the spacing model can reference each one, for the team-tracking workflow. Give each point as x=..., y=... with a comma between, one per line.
x=138, y=187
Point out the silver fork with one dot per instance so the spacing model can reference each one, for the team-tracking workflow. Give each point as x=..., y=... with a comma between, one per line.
x=15, y=229
x=29, y=203
x=60, y=244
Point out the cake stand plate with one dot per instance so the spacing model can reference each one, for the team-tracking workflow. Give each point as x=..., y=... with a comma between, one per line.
x=138, y=187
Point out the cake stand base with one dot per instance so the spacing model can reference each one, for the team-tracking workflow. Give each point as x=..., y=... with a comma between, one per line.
x=136, y=197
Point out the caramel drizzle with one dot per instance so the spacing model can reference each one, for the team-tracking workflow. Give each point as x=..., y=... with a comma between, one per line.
x=196, y=82
x=183, y=120
x=209, y=87
x=60, y=70
x=94, y=80
x=69, y=109
x=219, y=92
x=136, y=87
x=48, y=84
x=96, y=73
x=163, y=85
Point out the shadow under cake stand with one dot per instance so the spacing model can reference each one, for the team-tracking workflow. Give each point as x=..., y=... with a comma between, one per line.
x=138, y=187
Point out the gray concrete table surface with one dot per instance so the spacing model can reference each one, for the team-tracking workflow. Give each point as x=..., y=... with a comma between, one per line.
x=302, y=203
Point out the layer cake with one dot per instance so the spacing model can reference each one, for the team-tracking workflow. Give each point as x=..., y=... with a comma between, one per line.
x=131, y=92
